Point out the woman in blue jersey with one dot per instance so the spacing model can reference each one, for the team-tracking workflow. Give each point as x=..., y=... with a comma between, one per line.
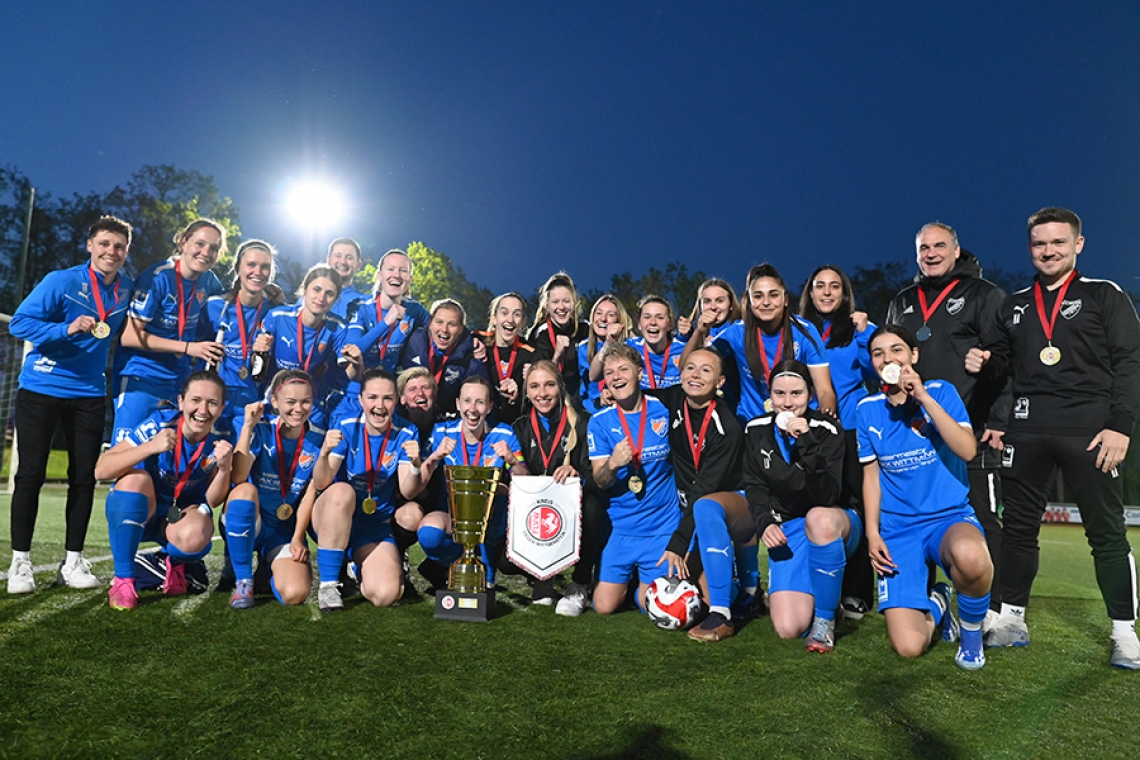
x=380, y=325
x=793, y=474
x=660, y=351
x=70, y=319
x=768, y=334
x=161, y=336
x=629, y=453
x=716, y=298
x=828, y=302
x=361, y=465
x=470, y=441
x=609, y=323
x=270, y=513
x=914, y=441
x=308, y=336
x=169, y=472
x=234, y=321
x=557, y=328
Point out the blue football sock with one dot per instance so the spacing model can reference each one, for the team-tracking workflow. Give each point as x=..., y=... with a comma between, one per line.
x=716, y=550
x=126, y=520
x=329, y=563
x=935, y=611
x=241, y=520
x=485, y=554
x=438, y=545
x=826, y=562
x=748, y=567
x=273, y=588
x=972, y=609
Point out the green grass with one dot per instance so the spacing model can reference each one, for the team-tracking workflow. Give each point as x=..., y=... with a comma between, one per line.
x=192, y=678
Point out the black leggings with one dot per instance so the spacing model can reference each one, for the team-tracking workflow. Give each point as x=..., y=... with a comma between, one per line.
x=37, y=418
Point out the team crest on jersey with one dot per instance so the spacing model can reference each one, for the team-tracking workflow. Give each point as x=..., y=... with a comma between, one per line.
x=954, y=305
x=321, y=347
x=489, y=460
x=405, y=325
x=387, y=459
x=920, y=424
x=659, y=425
x=677, y=362
x=1070, y=309
x=201, y=294
x=305, y=461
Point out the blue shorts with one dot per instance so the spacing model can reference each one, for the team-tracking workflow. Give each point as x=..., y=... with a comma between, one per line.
x=788, y=564
x=272, y=535
x=369, y=529
x=623, y=554
x=912, y=544
x=138, y=399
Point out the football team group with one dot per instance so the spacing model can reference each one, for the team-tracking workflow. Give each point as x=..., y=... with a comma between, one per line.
x=851, y=451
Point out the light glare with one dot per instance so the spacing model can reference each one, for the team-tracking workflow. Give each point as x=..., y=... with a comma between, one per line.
x=315, y=204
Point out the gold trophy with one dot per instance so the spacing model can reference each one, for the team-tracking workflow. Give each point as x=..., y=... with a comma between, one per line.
x=470, y=496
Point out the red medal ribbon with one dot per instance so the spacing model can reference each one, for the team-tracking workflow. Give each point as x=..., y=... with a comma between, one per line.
x=927, y=313
x=649, y=366
x=510, y=365
x=184, y=477
x=635, y=447
x=370, y=467
x=697, y=448
x=246, y=339
x=98, y=296
x=550, y=335
x=546, y=458
x=391, y=332
x=478, y=451
x=1048, y=324
x=286, y=478
x=301, y=359
x=431, y=359
x=826, y=333
x=181, y=297
x=764, y=353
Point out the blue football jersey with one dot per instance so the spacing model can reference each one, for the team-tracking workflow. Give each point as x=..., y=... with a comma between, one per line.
x=267, y=465
x=156, y=302
x=161, y=467
x=919, y=474
x=386, y=457
x=661, y=370
x=656, y=511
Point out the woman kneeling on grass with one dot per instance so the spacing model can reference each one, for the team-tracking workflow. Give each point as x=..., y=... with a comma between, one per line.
x=368, y=456
x=168, y=471
x=471, y=442
x=793, y=471
x=914, y=441
x=270, y=513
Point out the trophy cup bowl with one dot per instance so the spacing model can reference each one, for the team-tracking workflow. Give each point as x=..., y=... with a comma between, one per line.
x=470, y=497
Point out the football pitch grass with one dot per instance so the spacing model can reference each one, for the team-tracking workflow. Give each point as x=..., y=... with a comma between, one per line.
x=190, y=677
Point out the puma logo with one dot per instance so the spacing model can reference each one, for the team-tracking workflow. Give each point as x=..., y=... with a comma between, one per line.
x=876, y=431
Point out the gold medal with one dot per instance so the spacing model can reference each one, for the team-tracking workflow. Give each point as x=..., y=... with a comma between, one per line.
x=101, y=330
x=636, y=484
x=369, y=506
x=767, y=405
x=284, y=512
x=1050, y=355
x=243, y=373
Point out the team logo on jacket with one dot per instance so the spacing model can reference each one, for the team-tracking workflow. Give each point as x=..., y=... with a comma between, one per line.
x=451, y=375
x=954, y=305
x=1017, y=312
x=201, y=295
x=1021, y=409
x=659, y=425
x=1070, y=309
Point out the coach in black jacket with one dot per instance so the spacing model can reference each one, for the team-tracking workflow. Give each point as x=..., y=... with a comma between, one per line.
x=953, y=312
x=1074, y=348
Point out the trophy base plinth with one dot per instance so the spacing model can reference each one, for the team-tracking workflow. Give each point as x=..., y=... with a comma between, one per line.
x=458, y=605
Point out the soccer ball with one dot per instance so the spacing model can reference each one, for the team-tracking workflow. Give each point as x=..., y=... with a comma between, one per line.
x=673, y=604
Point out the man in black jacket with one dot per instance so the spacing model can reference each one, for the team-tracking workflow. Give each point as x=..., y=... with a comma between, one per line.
x=1073, y=344
x=953, y=312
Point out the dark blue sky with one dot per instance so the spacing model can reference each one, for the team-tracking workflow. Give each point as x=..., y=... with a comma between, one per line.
x=520, y=137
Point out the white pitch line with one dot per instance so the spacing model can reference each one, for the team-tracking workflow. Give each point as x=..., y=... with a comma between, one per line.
x=49, y=608
x=92, y=560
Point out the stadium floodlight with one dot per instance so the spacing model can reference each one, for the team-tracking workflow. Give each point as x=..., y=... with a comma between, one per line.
x=315, y=204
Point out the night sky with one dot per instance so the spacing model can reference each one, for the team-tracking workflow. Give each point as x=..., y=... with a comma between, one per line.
x=602, y=137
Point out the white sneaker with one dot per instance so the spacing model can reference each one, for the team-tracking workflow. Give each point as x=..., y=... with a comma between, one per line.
x=20, y=577
x=1126, y=653
x=574, y=601
x=76, y=575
